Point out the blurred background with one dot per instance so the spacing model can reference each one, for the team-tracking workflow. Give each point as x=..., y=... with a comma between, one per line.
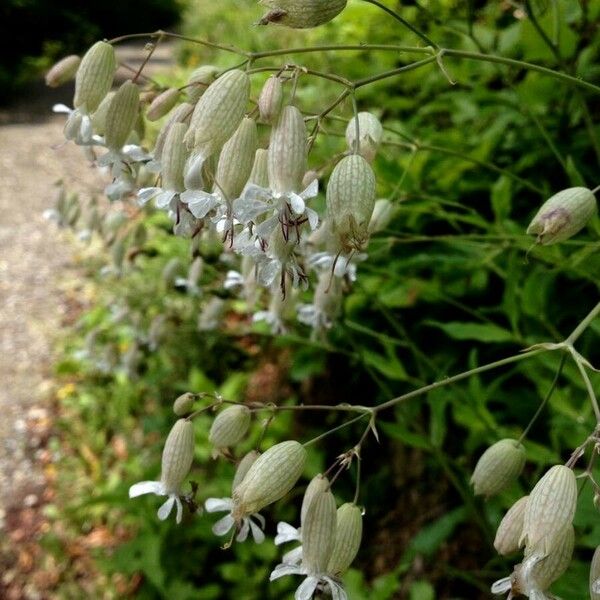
x=97, y=338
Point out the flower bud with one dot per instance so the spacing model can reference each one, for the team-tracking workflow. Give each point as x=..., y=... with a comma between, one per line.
x=498, y=467
x=162, y=104
x=595, y=575
x=318, y=532
x=551, y=505
x=219, y=112
x=94, y=77
x=183, y=404
x=199, y=80
x=370, y=133
x=271, y=477
x=260, y=173
x=178, y=455
x=230, y=426
x=317, y=484
x=287, y=151
x=563, y=215
x=301, y=14
x=63, y=71
x=510, y=528
x=236, y=160
x=180, y=115
x=121, y=115
x=173, y=159
x=270, y=99
x=350, y=201
x=348, y=535
x=383, y=212
x=243, y=468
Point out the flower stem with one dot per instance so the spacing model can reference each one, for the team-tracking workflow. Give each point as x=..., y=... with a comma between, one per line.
x=342, y=426
x=583, y=325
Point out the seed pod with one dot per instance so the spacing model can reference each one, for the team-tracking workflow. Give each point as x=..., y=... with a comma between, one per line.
x=595, y=576
x=235, y=163
x=162, y=104
x=318, y=532
x=317, y=484
x=180, y=115
x=230, y=426
x=510, y=528
x=63, y=71
x=219, y=112
x=287, y=151
x=270, y=99
x=382, y=215
x=260, y=172
x=301, y=14
x=178, y=455
x=94, y=77
x=348, y=535
x=183, y=404
x=271, y=477
x=498, y=467
x=551, y=505
x=350, y=201
x=370, y=133
x=201, y=78
x=121, y=115
x=243, y=468
x=173, y=159
x=563, y=215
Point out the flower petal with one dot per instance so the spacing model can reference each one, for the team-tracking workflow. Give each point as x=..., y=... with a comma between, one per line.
x=337, y=591
x=165, y=510
x=312, y=190
x=286, y=533
x=179, y=509
x=502, y=585
x=297, y=203
x=164, y=198
x=313, y=218
x=293, y=557
x=282, y=570
x=307, y=588
x=62, y=108
x=146, y=487
x=247, y=209
x=222, y=526
x=218, y=504
x=257, y=532
x=193, y=172
x=243, y=534
x=146, y=194
x=200, y=203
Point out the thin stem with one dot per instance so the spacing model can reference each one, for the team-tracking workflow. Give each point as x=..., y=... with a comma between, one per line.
x=342, y=426
x=541, y=407
x=596, y=189
x=342, y=47
x=330, y=76
x=589, y=387
x=148, y=57
x=583, y=325
x=336, y=407
x=385, y=75
x=404, y=22
x=356, y=144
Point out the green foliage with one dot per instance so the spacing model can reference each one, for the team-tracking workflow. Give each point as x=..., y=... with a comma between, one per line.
x=452, y=284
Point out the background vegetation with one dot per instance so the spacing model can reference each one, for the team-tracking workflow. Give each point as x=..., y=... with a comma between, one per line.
x=448, y=286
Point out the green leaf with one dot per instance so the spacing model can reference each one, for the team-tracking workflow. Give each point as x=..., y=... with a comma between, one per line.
x=501, y=198
x=482, y=332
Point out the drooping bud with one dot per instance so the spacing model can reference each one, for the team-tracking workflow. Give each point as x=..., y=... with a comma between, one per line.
x=219, y=112
x=183, y=404
x=63, y=71
x=271, y=477
x=243, y=468
x=162, y=104
x=595, y=575
x=180, y=115
x=174, y=155
x=121, y=115
x=348, y=536
x=271, y=99
x=230, y=426
x=551, y=505
x=317, y=484
x=498, y=467
x=301, y=14
x=383, y=212
x=94, y=77
x=199, y=80
x=510, y=529
x=260, y=171
x=287, y=151
x=350, y=201
x=563, y=215
x=178, y=455
x=369, y=137
x=236, y=160
x=318, y=532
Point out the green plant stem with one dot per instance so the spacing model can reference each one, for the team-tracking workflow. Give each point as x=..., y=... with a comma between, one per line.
x=589, y=387
x=404, y=22
x=546, y=399
x=342, y=426
x=387, y=74
x=576, y=334
x=330, y=76
x=342, y=47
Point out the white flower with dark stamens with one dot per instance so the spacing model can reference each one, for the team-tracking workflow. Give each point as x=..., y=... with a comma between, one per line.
x=342, y=265
x=177, y=458
x=245, y=524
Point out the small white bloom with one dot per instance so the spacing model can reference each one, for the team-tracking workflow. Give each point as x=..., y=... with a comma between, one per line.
x=159, y=488
x=308, y=587
x=288, y=533
x=228, y=522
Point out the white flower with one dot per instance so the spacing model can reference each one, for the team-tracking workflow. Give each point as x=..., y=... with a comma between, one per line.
x=308, y=587
x=344, y=265
x=159, y=488
x=225, y=524
x=200, y=203
x=163, y=198
x=314, y=316
x=288, y=533
x=522, y=581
